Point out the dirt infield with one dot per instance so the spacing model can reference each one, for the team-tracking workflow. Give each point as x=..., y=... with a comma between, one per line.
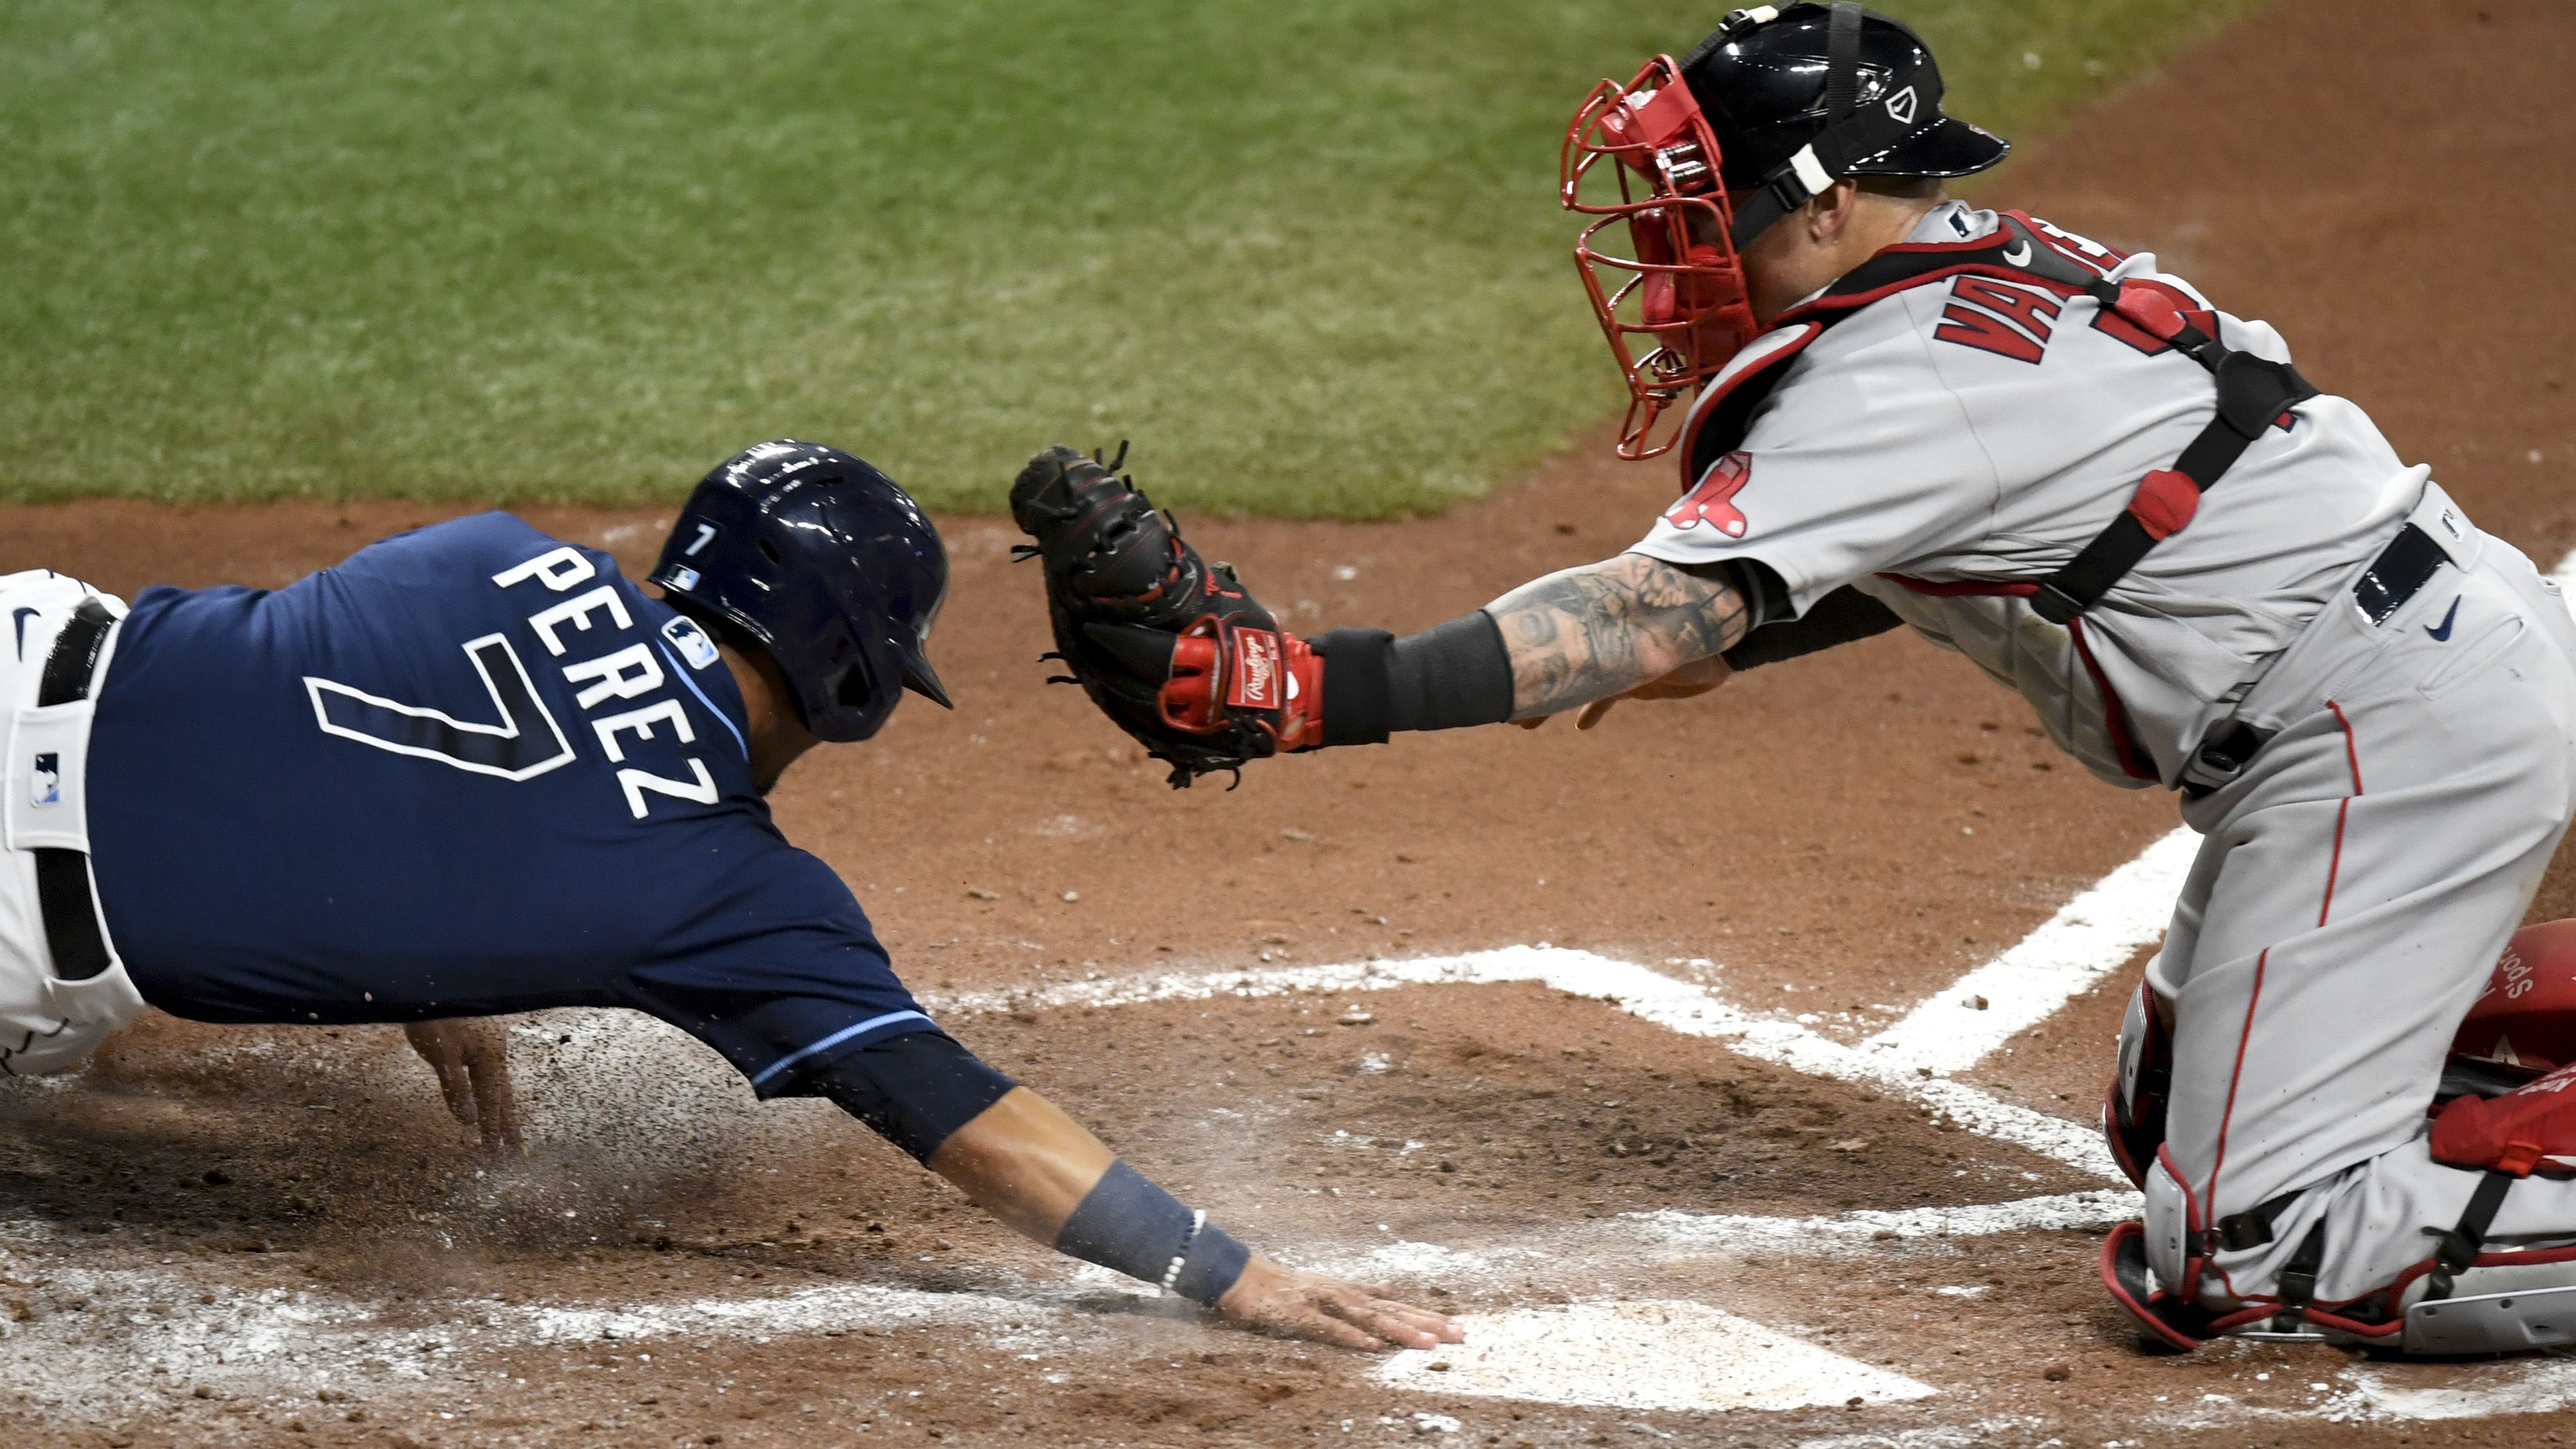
x=1668, y=1123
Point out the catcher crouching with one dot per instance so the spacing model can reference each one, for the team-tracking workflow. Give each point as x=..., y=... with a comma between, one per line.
x=2203, y=573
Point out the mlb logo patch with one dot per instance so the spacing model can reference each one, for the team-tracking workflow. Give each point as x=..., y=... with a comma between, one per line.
x=684, y=577
x=691, y=641
x=45, y=785
x=1256, y=683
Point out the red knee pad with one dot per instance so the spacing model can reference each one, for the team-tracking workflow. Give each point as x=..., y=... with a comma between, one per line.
x=2524, y=1023
x=2531, y=1128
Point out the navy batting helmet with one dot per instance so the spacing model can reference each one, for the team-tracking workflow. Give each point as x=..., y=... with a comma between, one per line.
x=827, y=565
x=1799, y=96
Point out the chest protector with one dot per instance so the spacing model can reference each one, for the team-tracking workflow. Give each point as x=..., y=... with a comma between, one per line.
x=2254, y=393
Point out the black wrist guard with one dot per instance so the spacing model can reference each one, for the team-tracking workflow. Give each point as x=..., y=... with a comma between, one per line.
x=1447, y=677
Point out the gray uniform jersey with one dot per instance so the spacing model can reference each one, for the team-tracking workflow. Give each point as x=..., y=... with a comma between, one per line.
x=2359, y=876
x=1967, y=432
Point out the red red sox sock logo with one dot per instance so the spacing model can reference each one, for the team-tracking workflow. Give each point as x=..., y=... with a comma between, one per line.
x=1712, y=501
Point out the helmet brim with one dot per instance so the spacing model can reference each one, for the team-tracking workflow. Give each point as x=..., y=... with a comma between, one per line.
x=1947, y=147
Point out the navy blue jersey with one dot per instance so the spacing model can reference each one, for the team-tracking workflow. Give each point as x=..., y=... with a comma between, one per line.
x=470, y=770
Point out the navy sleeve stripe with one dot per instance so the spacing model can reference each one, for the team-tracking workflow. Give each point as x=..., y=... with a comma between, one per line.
x=835, y=1039
x=681, y=674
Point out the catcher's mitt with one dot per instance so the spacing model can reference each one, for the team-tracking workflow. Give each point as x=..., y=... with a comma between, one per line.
x=1173, y=649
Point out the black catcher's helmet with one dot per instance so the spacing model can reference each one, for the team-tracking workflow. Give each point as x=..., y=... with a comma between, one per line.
x=1711, y=150
x=828, y=565
x=1799, y=96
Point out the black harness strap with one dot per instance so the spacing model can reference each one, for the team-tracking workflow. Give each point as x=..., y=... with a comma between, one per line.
x=2253, y=394
x=2458, y=1246
x=2252, y=1228
x=2299, y=1275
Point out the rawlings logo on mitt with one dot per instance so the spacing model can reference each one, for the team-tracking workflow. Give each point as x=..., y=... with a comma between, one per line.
x=1171, y=648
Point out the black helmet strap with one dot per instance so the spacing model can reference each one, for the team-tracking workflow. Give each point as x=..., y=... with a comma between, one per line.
x=1842, y=63
x=1849, y=134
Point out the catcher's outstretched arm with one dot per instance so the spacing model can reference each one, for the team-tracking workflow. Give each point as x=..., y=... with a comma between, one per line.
x=1181, y=655
x=1603, y=629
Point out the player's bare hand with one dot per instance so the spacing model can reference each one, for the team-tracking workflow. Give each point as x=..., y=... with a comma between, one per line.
x=1297, y=1304
x=472, y=1060
x=1695, y=678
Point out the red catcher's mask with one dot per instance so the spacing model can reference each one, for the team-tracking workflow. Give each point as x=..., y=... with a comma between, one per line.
x=1674, y=308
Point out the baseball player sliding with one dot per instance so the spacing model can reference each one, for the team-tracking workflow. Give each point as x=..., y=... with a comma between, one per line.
x=474, y=770
x=2202, y=573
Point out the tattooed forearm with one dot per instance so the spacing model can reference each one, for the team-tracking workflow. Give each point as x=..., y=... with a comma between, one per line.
x=1603, y=629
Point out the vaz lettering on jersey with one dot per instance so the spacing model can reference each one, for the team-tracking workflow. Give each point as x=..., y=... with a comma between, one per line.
x=528, y=741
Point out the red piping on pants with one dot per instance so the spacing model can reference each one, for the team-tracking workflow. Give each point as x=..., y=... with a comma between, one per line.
x=2210, y=1194
x=2352, y=756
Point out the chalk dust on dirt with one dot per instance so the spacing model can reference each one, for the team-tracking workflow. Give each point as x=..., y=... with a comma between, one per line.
x=275, y=1236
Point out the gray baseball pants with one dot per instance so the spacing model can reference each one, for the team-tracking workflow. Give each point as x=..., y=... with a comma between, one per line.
x=2355, y=886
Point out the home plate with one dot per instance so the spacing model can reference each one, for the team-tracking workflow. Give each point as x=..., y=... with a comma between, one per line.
x=1652, y=1355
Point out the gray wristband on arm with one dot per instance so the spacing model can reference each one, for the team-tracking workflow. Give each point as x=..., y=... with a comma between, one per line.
x=1127, y=1223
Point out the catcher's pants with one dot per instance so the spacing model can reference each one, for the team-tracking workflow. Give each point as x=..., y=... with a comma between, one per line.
x=2354, y=888
x=46, y=1024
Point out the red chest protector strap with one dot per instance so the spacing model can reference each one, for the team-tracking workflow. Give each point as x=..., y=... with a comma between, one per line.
x=2254, y=394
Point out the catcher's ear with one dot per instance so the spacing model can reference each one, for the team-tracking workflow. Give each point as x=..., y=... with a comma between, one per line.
x=1146, y=653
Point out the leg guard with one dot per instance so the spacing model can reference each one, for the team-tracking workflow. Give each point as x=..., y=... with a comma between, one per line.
x=2504, y=1303
x=2133, y=1111
x=2461, y=1301
x=2524, y=1023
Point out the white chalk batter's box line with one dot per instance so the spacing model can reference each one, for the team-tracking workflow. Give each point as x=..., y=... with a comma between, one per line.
x=1949, y=1032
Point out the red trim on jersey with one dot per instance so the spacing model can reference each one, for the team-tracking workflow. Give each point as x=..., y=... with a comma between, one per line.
x=1851, y=300
x=1963, y=588
x=2124, y=740
x=1751, y=363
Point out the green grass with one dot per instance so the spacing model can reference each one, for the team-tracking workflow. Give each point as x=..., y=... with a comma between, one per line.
x=1307, y=255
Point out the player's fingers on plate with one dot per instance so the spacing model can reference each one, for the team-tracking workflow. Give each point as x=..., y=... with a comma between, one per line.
x=1307, y=1323
x=1378, y=1316
x=1405, y=1324
x=1422, y=1320
x=1534, y=721
x=1593, y=712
